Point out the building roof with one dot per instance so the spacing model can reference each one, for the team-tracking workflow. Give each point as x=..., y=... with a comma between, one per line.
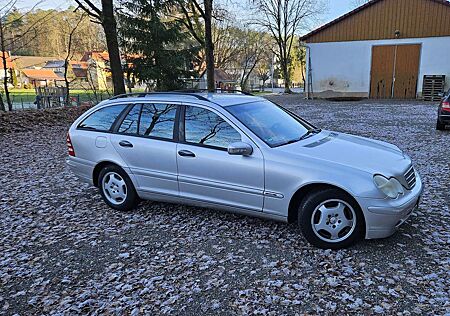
x=96, y=55
x=79, y=72
x=427, y=16
x=54, y=64
x=23, y=62
x=78, y=64
x=40, y=74
x=9, y=63
x=220, y=76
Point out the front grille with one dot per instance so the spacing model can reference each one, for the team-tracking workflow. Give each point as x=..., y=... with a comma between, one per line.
x=410, y=177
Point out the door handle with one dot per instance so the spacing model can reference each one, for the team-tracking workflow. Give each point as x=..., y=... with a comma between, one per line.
x=125, y=143
x=186, y=153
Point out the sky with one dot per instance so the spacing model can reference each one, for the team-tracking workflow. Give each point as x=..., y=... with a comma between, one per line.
x=336, y=8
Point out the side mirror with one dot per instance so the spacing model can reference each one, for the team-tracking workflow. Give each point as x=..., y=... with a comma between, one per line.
x=441, y=94
x=240, y=148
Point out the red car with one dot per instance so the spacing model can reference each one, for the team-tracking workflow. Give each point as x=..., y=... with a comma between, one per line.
x=444, y=112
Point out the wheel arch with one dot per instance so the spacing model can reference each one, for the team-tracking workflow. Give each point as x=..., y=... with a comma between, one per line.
x=99, y=166
x=303, y=191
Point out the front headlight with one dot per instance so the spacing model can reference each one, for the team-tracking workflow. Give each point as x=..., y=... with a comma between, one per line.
x=391, y=187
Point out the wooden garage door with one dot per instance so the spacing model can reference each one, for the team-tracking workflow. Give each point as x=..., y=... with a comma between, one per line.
x=395, y=71
x=382, y=75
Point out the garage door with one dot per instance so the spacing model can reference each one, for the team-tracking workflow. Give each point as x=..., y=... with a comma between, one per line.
x=394, y=71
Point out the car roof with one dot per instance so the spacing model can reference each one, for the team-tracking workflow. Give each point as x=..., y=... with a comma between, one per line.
x=221, y=99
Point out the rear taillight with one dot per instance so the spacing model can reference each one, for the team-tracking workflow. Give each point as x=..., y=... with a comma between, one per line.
x=446, y=106
x=70, y=146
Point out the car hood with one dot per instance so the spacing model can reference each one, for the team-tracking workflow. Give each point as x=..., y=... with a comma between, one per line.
x=362, y=153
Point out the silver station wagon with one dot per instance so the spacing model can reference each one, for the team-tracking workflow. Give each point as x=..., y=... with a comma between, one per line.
x=247, y=155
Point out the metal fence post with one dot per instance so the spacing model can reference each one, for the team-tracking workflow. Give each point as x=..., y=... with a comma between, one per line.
x=21, y=100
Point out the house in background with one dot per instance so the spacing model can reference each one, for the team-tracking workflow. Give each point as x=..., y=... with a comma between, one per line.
x=98, y=69
x=11, y=68
x=57, y=66
x=383, y=49
x=40, y=78
x=221, y=78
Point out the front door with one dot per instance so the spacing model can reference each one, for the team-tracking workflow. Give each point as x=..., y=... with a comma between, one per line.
x=145, y=141
x=206, y=172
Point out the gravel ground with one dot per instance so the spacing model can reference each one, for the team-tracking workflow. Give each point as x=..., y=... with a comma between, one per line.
x=64, y=252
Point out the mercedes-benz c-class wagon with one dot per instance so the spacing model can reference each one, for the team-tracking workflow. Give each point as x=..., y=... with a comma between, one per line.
x=247, y=155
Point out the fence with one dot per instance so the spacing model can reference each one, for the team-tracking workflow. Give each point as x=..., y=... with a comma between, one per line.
x=54, y=99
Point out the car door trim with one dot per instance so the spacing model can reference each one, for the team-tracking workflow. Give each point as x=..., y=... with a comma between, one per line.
x=154, y=174
x=220, y=185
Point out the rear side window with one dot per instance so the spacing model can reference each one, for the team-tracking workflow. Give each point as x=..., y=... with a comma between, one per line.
x=130, y=124
x=102, y=120
x=157, y=120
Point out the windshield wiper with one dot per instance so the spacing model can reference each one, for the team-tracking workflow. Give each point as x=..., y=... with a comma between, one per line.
x=310, y=132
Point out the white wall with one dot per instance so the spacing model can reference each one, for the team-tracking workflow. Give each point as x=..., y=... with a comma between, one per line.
x=345, y=66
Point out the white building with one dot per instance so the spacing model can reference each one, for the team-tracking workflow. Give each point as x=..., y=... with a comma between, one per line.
x=382, y=49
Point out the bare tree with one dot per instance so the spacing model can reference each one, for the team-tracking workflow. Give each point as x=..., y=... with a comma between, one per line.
x=69, y=55
x=227, y=41
x=263, y=68
x=192, y=11
x=283, y=19
x=252, y=53
x=105, y=17
x=16, y=41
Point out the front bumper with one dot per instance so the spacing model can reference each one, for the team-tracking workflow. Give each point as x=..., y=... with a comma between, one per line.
x=383, y=217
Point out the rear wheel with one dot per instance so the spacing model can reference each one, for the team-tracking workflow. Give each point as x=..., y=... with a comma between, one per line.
x=117, y=189
x=440, y=126
x=330, y=219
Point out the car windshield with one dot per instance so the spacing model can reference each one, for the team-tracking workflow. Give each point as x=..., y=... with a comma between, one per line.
x=271, y=123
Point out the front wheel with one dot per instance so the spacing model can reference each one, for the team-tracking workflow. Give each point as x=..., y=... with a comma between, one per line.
x=117, y=189
x=330, y=219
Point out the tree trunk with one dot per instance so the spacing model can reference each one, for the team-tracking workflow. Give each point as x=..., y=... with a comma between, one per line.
x=287, y=79
x=66, y=80
x=110, y=28
x=2, y=105
x=209, y=46
x=5, y=79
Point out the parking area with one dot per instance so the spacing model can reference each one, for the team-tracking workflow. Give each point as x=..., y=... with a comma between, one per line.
x=63, y=251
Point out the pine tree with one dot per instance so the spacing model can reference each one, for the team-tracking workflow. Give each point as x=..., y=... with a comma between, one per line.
x=158, y=50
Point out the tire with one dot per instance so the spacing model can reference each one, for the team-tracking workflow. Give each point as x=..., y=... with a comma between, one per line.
x=331, y=219
x=116, y=188
x=440, y=126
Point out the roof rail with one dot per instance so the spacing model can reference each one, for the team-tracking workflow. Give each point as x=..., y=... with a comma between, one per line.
x=144, y=94
x=215, y=90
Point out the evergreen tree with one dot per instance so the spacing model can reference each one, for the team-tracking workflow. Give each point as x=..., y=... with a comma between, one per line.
x=159, y=52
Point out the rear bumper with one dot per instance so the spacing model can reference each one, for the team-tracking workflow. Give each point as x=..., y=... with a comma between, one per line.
x=83, y=169
x=444, y=117
x=384, y=217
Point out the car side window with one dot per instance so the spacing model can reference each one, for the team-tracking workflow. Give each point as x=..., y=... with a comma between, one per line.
x=103, y=119
x=205, y=127
x=130, y=124
x=157, y=120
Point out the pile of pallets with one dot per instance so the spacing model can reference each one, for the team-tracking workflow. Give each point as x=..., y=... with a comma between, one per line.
x=433, y=87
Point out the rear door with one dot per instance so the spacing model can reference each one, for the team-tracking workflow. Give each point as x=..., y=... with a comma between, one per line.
x=145, y=140
x=206, y=172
